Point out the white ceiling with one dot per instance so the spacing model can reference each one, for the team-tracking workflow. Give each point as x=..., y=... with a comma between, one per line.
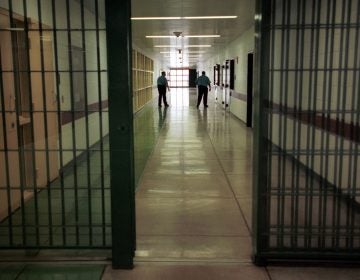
x=228, y=29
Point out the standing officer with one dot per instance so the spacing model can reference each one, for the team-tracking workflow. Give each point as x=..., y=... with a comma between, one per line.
x=203, y=83
x=162, y=84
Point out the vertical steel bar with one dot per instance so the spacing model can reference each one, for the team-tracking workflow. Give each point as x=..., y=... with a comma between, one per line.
x=294, y=208
x=46, y=132
x=31, y=113
x=336, y=172
x=4, y=113
x=324, y=95
x=285, y=115
x=343, y=99
x=310, y=132
x=16, y=92
x=299, y=126
x=99, y=80
x=73, y=128
x=88, y=169
x=281, y=156
x=312, y=100
x=118, y=28
x=270, y=142
x=355, y=119
x=322, y=233
x=59, y=120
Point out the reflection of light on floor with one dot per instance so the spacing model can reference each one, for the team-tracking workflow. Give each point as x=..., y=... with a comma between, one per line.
x=179, y=97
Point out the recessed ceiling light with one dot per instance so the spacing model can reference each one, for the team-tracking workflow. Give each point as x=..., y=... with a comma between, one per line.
x=185, y=36
x=155, y=18
x=211, y=17
x=187, y=46
x=172, y=18
x=160, y=36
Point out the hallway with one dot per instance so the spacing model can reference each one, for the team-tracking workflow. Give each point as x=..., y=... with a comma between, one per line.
x=193, y=203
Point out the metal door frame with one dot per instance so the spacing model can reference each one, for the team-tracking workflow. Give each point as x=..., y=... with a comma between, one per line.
x=119, y=49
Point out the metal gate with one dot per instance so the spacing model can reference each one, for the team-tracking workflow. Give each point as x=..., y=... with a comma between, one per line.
x=54, y=151
x=307, y=190
x=56, y=187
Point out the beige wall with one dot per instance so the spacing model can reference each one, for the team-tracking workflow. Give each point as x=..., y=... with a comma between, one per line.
x=238, y=50
x=63, y=56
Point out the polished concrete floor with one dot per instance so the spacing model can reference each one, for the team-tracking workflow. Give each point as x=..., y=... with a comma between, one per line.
x=193, y=202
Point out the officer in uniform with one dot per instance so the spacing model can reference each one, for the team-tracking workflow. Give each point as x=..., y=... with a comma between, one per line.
x=162, y=84
x=203, y=83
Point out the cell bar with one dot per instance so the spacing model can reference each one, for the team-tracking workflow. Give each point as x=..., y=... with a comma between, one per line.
x=73, y=128
x=88, y=167
x=45, y=114
x=102, y=180
x=5, y=140
x=58, y=100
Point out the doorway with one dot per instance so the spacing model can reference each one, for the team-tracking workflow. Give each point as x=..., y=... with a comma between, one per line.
x=179, y=78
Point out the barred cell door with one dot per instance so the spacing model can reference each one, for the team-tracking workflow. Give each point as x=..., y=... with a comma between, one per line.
x=66, y=153
x=307, y=187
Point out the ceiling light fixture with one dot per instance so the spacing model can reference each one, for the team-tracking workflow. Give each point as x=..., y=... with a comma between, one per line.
x=160, y=36
x=155, y=18
x=193, y=17
x=187, y=46
x=211, y=17
x=185, y=36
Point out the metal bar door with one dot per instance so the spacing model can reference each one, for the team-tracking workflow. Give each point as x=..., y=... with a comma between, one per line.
x=307, y=109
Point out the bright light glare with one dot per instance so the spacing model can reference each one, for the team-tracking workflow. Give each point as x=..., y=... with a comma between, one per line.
x=172, y=18
x=187, y=46
x=155, y=18
x=211, y=17
x=185, y=36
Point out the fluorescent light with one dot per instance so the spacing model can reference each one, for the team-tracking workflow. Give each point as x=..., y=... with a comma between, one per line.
x=185, y=36
x=196, y=17
x=187, y=46
x=154, y=18
x=210, y=17
x=160, y=36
